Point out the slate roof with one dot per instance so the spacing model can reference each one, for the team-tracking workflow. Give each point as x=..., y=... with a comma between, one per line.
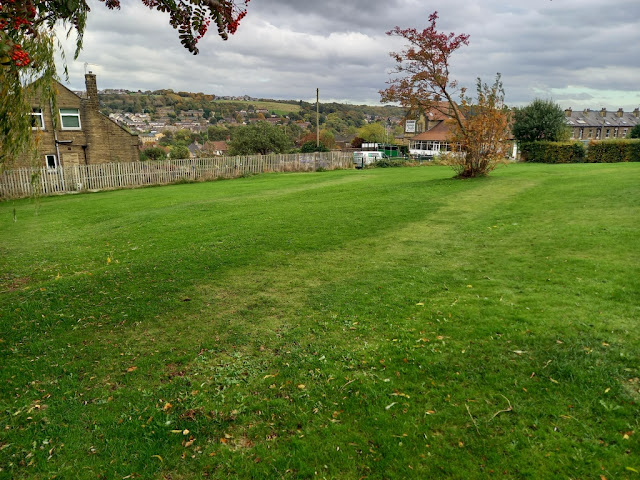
x=601, y=118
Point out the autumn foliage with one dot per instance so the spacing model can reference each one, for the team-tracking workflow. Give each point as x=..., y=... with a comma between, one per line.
x=483, y=136
x=28, y=46
x=423, y=84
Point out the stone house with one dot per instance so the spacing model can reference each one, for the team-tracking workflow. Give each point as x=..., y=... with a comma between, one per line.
x=589, y=125
x=82, y=135
x=432, y=131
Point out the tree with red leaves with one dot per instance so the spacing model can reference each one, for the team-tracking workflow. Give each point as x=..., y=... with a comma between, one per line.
x=28, y=45
x=424, y=85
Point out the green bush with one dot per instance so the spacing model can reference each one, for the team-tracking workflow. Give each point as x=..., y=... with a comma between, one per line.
x=393, y=162
x=613, y=151
x=634, y=151
x=553, y=152
x=153, y=153
x=310, y=147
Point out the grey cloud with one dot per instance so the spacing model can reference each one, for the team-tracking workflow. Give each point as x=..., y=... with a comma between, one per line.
x=287, y=48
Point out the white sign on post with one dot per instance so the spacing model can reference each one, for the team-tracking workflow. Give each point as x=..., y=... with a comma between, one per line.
x=410, y=126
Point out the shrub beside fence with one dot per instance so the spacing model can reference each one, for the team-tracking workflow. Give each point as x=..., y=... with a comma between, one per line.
x=611, y=151
x=25, y=182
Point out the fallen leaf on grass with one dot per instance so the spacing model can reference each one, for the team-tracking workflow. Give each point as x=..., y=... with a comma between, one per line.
x=132, y=369
x=554, y=381
x=270, y=375
x=390, y=405
x=158, y=457
x=302, y=386
x=400, y=394
x=431, y=412
x=420, y=304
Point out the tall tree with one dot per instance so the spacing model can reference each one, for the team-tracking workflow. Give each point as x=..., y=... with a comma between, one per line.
x=540, y=120
x=28, y=46
x=423, y=85
x=372, y=132
x=423, y=82
x=259, y=137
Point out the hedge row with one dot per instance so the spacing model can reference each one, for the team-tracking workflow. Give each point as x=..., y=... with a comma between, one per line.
x=612, y=151
x=553, y=152
x=608, y=151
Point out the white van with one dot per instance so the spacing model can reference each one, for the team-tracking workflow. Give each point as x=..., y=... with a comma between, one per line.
x=362, y=159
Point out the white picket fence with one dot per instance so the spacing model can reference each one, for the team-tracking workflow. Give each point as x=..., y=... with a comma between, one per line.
x=25, y=182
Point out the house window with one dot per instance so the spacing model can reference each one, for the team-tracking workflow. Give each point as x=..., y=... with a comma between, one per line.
x=37, y=118
x=598, y=134
x=581, y=133
x=51, y=161
x=607, y=134
x=615, y=133
x=590, y=133
x=70, y=118
x=624, y=132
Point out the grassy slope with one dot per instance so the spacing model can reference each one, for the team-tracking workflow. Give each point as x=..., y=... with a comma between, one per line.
x=386, y=324
x=279, y=107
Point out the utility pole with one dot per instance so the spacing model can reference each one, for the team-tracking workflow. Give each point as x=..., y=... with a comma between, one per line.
x=317, y=118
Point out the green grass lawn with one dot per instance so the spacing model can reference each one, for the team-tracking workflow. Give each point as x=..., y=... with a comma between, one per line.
x=388, y=323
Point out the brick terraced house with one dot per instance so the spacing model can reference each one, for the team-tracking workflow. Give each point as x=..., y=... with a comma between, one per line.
x=82, y=135
x=589, y=125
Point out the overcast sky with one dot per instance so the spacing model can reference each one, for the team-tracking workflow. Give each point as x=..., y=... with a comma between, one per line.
x=579, y=53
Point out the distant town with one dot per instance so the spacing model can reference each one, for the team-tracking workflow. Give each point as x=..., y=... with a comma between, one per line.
x=151, y=112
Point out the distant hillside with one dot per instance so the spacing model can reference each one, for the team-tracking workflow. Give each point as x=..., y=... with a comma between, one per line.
x=278, y=107
x=169, y=107
x=141, y=102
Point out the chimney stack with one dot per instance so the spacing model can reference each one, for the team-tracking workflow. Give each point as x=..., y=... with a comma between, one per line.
x=603, y=112
x=620, y=113
x=567, y=112
x=92, y=90
x=636, y=112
